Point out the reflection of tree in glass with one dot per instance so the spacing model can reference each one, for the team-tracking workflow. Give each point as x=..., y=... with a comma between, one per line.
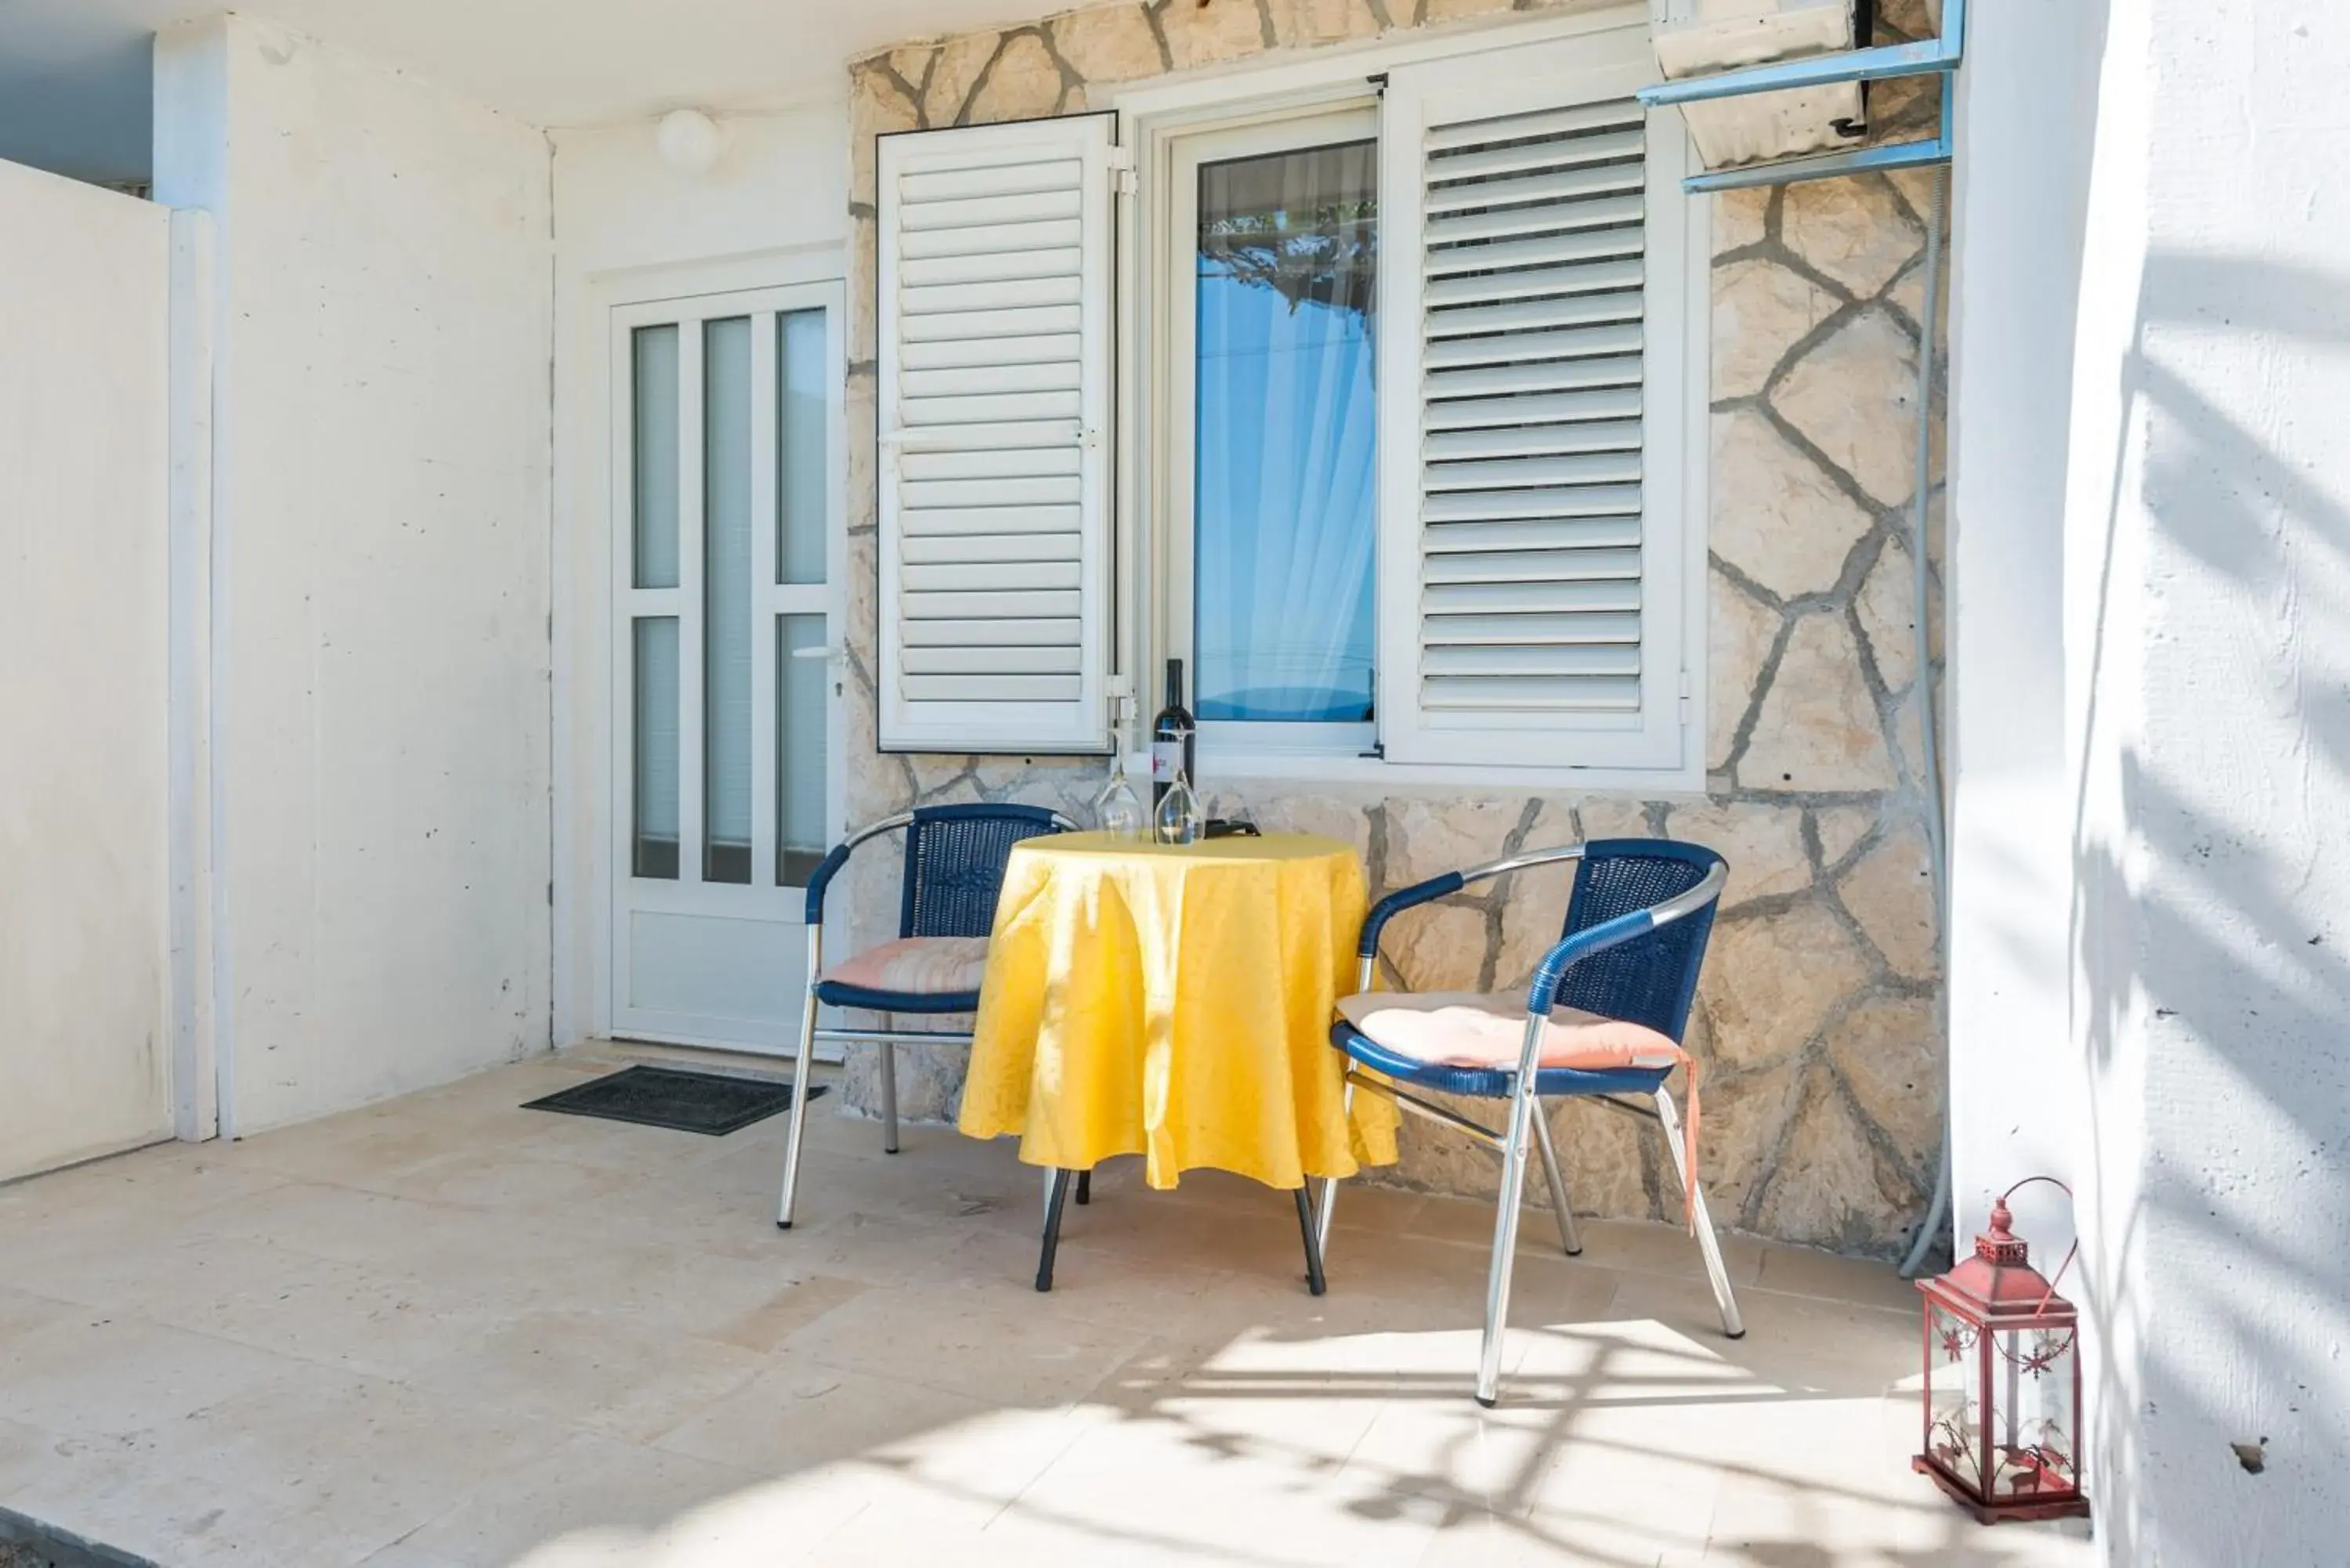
x=1324, y=256
x=1304, y=223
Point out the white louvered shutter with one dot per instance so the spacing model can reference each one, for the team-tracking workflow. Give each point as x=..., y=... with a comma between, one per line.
x=994, y=384
x=1535, y=536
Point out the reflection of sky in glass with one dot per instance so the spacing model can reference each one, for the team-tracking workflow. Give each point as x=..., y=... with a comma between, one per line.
x=1283, y=472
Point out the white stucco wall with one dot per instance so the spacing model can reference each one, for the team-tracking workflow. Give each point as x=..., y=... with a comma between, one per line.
x=2208, y=597
x=381, y=589
x=84, y=1042
x=627, y=226
x=2150, y=183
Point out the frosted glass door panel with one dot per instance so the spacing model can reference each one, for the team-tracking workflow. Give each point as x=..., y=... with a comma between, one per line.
x=726, y=599
x=803, y=472
x=653, y=358
x=803, y=674
x=656, y=745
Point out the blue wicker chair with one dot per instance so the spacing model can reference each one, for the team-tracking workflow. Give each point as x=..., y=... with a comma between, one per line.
x=956, y=861
x=1636, y=930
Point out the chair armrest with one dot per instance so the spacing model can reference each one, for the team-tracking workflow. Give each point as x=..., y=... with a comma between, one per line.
x=831, y=864
x=826, y=870
x=1396, y=903
x=1436, y=887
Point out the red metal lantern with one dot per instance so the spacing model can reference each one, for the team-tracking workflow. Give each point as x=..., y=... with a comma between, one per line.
x=2002, y=1393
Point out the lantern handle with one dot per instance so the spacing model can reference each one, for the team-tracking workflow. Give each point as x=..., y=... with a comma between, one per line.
x=2056, y=1278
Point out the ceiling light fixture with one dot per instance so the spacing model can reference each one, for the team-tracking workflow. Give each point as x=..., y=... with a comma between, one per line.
x=690, y=141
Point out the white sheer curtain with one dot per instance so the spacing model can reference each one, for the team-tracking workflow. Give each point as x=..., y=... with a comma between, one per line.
x=1284, y=421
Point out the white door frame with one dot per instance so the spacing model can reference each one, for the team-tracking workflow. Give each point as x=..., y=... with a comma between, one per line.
x=668, y=298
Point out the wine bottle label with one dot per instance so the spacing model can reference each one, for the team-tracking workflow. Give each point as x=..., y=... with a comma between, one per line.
x=1166, y=760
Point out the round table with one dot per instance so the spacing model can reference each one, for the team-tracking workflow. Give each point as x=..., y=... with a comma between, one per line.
x=1174, y=1002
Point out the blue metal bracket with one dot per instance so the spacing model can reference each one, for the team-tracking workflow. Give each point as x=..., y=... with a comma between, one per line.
x=1887, y=62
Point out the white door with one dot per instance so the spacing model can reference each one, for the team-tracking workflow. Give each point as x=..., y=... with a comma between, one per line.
x=728, y=545
x=85, y=1025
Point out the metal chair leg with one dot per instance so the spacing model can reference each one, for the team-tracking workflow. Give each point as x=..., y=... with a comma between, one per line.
x=1330, y=1183
x=1568, y=1238
x=1505, y=1246
x=888, y=1097
x=1308, y=1228
x=802, y=1061
x=1733, y=1326
x=1085, y=1187
x=1056, y=1194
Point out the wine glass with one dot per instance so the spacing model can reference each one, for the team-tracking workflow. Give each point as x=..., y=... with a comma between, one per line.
x=1181, y=818
x=1118, y=810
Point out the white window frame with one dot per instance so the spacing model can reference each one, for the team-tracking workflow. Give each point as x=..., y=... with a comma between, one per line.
x=1155, y=117
x=1176, y=539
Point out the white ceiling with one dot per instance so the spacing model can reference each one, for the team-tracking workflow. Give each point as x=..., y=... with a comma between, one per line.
x=74, y=73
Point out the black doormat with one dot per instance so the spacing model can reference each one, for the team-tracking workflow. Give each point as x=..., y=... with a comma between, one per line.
x=711, y=1102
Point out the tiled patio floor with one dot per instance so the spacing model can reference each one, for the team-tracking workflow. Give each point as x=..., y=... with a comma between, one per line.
x=445, y=1331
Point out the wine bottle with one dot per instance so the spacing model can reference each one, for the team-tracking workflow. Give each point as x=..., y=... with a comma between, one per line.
x=1173, y=736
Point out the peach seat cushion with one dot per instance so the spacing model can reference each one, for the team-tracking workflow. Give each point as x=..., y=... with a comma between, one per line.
x=1466, y=1029
x=1469, y=1029
x=916, y=966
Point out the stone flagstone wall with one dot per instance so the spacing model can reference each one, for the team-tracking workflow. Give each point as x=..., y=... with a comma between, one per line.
x=1817, y=1025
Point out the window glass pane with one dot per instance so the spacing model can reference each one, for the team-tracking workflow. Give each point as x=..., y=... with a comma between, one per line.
x=1283, y=472
x=801, y=396
x=726, y=599
x=656, y=747
x=654, y=411
x=801, y=838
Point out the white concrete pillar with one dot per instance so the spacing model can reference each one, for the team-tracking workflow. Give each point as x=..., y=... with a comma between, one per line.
x=2024, y=121
x=380, y=585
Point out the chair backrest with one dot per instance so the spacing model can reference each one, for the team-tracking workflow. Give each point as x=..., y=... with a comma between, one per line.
x=955, y=858
x=1651, y=979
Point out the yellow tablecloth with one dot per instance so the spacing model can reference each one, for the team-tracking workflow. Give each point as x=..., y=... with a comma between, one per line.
x=1174, y=1003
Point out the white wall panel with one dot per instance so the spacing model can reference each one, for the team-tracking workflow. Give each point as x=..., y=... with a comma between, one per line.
x=380, y=591
x=84, y=574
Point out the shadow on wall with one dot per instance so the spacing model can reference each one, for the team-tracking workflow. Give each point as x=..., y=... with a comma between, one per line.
x=2213, y=984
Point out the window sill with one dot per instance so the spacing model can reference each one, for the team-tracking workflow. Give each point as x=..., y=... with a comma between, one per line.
x=1221, y=766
